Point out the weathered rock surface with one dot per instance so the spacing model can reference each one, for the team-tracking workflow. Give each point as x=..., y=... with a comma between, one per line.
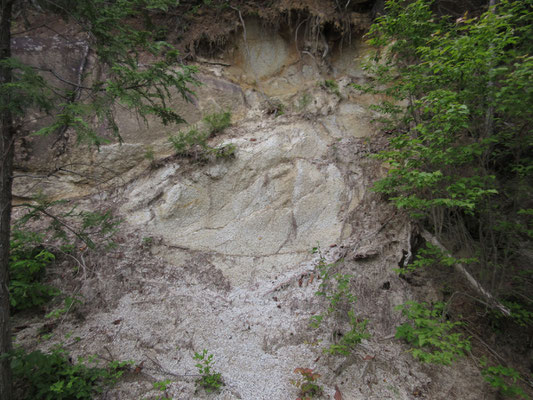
x=267, y=208
x=218, y=257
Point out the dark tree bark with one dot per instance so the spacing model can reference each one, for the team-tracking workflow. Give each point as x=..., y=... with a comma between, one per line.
x=378, y=8
x=6, y=178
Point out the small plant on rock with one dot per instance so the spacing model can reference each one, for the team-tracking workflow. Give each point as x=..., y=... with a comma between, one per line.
x=190, y=144
x=304, y=101
x=276, y=108
x=193, y=144
x=149, y=154
x=335, y=287
x=147, y=241
x=351, y=338
x=307, y=383
x=211, y=381
x=332, y=86
x=217, y=122
x=162, y=386
x=225, y=152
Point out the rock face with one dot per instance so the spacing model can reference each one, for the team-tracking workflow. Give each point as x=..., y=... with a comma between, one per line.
x=266, y=209
x=218, y=256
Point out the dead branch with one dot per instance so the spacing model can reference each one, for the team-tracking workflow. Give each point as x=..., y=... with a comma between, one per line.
x=205, y=61
x=464, y=272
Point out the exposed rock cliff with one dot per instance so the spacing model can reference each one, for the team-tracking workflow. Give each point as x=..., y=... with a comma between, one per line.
x=218, y=255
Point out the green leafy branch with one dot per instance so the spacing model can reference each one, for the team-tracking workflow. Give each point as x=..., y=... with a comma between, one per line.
x=432, y=337
x=335, y=287
x=210, y=381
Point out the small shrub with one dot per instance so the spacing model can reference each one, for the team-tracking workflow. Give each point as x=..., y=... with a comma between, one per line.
x=46, y=376
x=163, y=386
x=210, y=381
x=149, y=154
x=27, y=263
x=275, y=108
x=431, y=255
x=350, y=339
x=335, y=287
x=180, y=143
x=191, y=143
x=194, y=144
x=147, y=241
x=69, y=303
x=504, y=379
x=338, y=292
x=521, y=314
x=332, y=86
x=217, y=122
x=307, y=383
x=225, y=152
x=431, y=338
x=304, y=101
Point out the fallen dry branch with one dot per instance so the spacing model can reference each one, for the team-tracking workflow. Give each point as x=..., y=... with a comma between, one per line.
x=463, y=271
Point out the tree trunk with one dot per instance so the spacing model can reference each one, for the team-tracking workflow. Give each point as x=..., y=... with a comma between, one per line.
x=6, y=178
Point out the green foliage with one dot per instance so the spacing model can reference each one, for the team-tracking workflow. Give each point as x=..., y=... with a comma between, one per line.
x=68, y=304
x=337, y=293
x=217, y=122
x=210, y=381
x=335, y=287
x=504, y=379
x=29, y=257
x=93, y=229
x=27, y=264
x=188, y=143
x=276, y=108
x=193, y=143
x=332, y=86
x=147, y=241
x=304, y=101
x=149, y=154
x=445, y=70
x=52, y=376
x=104, y=223
x=162, y=386
x=27, y=89
x=431, y=336
x=521, y=314
x=457, y=106
x=350, y=338
x=225, y=152
x=307, y=383
x=431, y=255
x=118, y=45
